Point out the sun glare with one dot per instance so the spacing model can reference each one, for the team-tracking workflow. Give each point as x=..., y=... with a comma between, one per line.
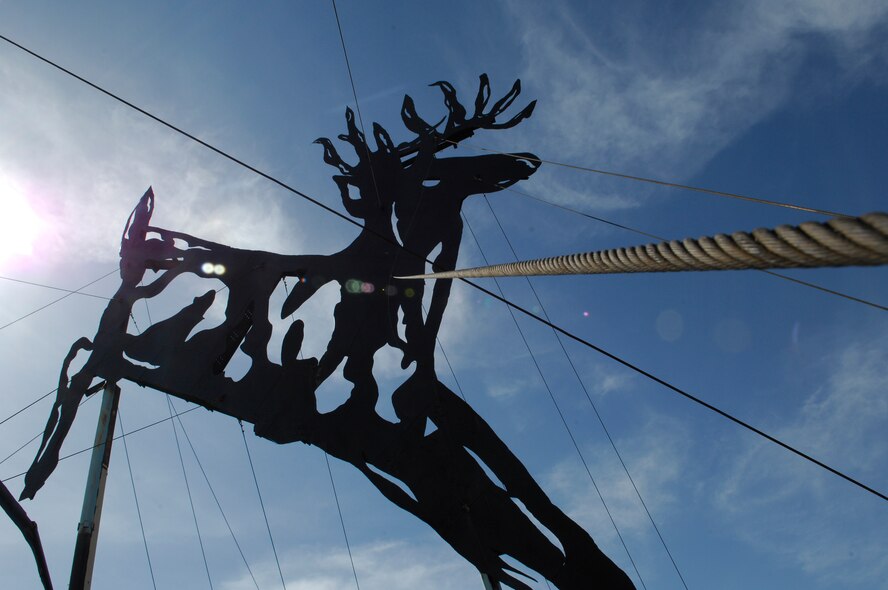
x=19, y=224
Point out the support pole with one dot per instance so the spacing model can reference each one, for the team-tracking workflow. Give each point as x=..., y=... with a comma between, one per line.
x=88, y=529
x=490, y=584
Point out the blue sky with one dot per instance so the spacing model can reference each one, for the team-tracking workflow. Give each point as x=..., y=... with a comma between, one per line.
x=782, y=100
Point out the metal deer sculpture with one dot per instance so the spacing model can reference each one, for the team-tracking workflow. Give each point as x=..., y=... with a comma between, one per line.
x=448, y=488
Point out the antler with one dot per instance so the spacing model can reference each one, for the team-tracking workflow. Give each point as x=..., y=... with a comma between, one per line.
x=354, y=137
x=369, y=173
x=429, y=139
x=457, y=127
x=357, y=140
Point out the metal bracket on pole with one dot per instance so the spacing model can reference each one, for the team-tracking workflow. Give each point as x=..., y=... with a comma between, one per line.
x=88, y=529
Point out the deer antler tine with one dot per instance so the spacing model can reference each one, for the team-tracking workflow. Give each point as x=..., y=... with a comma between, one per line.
x=412, y=121
x=383, y=139
x=525, y=113
x=354, y=136
x=457, y=113
x=332, y=157
x=506, y=101
x=352, y=126
x=483, y=95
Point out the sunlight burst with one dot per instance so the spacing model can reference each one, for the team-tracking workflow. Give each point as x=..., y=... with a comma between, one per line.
x=19, y=224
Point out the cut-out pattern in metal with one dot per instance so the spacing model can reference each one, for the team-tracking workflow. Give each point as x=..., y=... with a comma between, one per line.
x=439, y=479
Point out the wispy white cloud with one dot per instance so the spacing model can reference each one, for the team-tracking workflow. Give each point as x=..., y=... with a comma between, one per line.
x=550, y=185
x=86, y=162
x=664, y=104
x=601, y=378
x=783, y=506
x=503, y=390
x=656, y=460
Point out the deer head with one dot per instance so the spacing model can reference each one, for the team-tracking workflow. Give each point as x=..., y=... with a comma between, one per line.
x=391, y=173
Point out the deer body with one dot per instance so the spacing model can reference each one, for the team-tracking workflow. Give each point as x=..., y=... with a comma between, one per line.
x=448, y=488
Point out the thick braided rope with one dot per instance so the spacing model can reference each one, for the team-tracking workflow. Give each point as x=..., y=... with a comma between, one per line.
x=858, y=241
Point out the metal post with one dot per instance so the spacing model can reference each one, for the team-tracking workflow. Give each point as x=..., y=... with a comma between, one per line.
x=88, y=529
x=490, y=584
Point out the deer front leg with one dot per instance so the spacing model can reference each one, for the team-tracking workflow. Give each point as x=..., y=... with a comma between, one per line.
x=446, y=260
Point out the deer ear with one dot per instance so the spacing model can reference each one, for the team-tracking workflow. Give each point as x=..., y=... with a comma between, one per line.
x=138, y=220
x=149, y=196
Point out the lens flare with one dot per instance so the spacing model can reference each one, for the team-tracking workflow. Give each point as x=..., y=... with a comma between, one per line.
x=210, y=268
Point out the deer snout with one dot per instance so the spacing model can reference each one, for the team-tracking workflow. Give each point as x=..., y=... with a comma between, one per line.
x=529, y=162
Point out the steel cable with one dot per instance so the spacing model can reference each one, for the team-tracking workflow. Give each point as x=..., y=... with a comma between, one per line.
x=861, y=241
x=664, y=183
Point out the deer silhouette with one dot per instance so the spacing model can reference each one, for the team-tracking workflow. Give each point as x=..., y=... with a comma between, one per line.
x=439, y=476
